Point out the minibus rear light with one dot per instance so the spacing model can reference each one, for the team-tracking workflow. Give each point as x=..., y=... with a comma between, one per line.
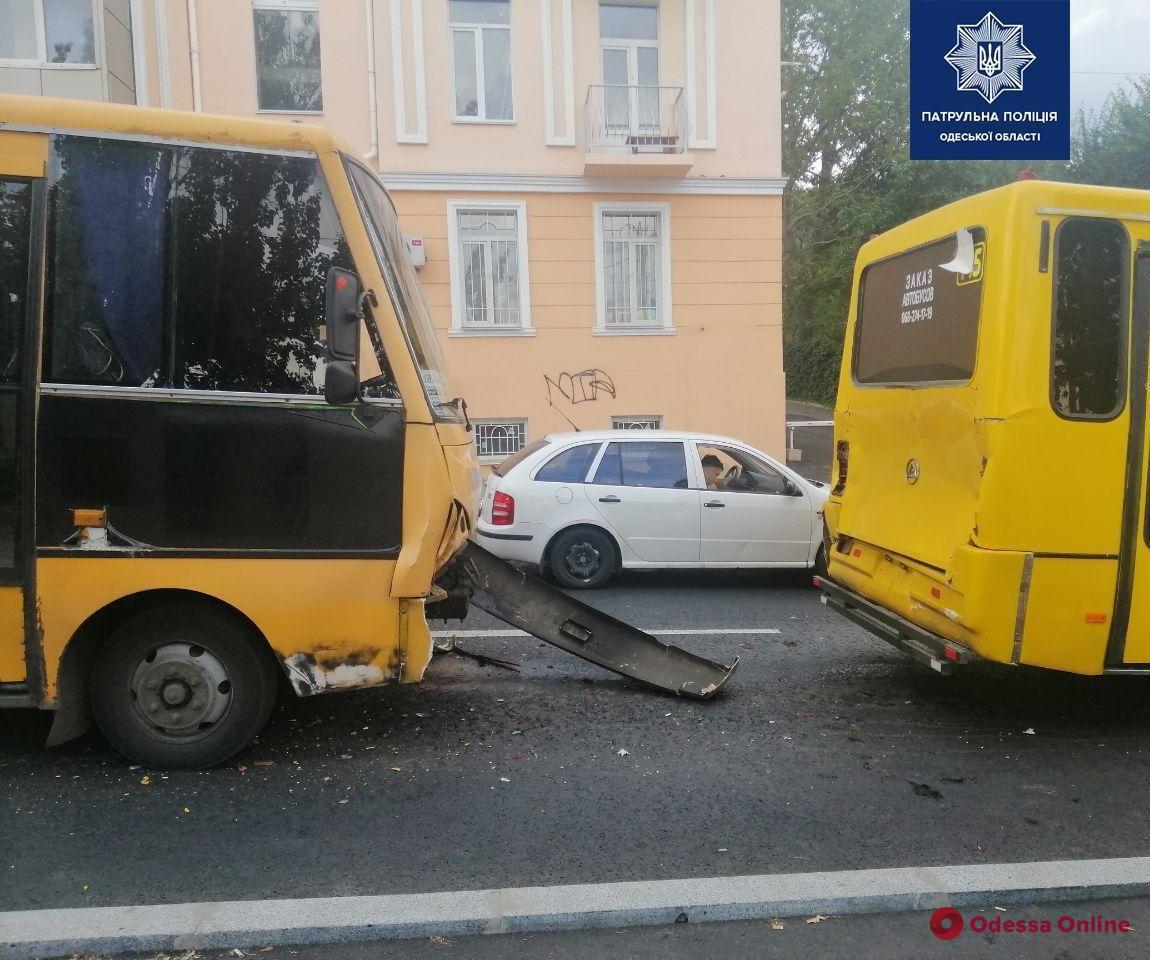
x=951, y=654
x=502, y=509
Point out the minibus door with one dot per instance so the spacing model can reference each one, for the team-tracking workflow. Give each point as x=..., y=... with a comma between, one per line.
x=22, y=167
x=1129, y=641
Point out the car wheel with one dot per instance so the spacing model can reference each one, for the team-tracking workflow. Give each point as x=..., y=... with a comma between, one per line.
x=182, y=686
x=582, y=558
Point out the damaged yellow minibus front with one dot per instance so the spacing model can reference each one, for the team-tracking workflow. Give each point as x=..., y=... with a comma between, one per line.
x=990, y=458
x=230, y=459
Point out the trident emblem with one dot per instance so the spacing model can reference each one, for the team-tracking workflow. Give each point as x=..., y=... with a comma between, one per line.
x=990, y=58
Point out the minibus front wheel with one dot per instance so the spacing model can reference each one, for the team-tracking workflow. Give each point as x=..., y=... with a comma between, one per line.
x=182, y=686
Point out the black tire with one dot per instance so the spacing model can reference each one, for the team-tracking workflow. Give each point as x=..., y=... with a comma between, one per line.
x=182, y=686
x=582, y=558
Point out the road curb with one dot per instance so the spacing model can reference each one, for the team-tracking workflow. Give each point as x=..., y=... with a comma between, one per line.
x=257, y=923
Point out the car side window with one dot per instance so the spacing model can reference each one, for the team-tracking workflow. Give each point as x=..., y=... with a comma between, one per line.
x=650, y=463
x=736, y=471
x=570, y=466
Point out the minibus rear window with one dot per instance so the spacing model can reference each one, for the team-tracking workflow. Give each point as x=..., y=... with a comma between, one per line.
x=918, y=317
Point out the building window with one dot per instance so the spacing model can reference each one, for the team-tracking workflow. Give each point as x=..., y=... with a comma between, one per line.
x=57, y=32
x=629, y=48
x=481, y=44
x=637, y=423
x=496, y=439
x=633, y=253
x=288, y=56
x=490, y=288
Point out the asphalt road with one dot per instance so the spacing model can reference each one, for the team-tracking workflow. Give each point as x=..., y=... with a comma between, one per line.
x=828, y=751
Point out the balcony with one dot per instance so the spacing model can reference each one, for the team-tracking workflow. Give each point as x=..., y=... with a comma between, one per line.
x=636, y=131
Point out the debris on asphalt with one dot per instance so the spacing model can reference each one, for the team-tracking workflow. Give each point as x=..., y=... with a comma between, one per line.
x=504, y=780
x=1029, y=730
x=817, y=918
x=623, y=753
x=776, y=924
x=925, y=790
x=144, y=781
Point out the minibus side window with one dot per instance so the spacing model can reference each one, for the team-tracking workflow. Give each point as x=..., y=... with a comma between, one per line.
x=189, y=268
x=15, y=250
x=1088, y=362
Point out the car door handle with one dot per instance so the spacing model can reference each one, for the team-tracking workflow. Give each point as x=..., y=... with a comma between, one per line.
x=714, y=503
x=610, y=499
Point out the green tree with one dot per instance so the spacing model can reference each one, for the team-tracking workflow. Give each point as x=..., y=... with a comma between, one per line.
x=846, y=154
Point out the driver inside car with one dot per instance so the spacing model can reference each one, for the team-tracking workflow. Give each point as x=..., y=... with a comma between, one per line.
x=712, y=471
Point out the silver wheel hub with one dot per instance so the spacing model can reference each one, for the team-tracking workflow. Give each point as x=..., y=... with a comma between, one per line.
x=181, y=689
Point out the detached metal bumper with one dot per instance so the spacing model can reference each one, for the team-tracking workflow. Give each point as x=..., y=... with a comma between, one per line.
x=928, y=648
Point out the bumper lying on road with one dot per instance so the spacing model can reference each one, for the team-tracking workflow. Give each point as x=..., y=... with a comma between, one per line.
x=928, y=648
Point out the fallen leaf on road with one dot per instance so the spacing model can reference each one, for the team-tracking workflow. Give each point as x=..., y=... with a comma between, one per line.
x=817, y=918
x=441, y=941
x=776, y=924
x=186, y=810
x=397, y=769
x=144, y=781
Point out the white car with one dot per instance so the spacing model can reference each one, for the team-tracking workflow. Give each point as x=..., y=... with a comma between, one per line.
x=583, y=505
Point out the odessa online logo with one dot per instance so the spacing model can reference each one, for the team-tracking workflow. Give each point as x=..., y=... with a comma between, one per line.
x=990, y=57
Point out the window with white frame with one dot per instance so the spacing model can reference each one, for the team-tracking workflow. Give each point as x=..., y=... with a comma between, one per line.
x=634, y=265
x=288, y=56
x=489, y=267
x=481, y=49
x=48, y=32
x=637, y=423
x=496, y=439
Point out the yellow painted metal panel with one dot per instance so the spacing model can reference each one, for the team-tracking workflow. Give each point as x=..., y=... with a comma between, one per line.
x=23, y=154
x=329, y=608
x=1068, y=600
x=13, y=668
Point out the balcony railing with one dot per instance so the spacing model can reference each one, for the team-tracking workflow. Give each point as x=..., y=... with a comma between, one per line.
x=636, y=119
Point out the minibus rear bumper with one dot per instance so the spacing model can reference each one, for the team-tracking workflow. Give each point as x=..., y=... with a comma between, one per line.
x=938, y=653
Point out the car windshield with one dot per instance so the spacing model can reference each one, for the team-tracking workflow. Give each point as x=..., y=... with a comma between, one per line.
x=404, y=290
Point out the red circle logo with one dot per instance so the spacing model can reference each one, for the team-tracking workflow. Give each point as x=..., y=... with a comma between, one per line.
x=946, y=923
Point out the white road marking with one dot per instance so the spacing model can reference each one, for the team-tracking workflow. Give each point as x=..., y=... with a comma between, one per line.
x=657, y=631
x=238, y=924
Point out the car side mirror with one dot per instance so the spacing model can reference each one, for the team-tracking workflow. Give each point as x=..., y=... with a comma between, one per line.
x=791, y=489
x=344, y=293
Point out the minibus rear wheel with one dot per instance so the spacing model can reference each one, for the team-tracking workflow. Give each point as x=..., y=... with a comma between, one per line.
x=182, y=686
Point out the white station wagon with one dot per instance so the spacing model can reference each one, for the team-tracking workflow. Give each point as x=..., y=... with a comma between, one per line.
x=582, y=505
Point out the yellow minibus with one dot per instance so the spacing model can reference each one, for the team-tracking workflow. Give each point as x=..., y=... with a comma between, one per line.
x=990, y=475
x=230, y=458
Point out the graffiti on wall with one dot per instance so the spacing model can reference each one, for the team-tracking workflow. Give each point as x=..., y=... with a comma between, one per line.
x=586, y=386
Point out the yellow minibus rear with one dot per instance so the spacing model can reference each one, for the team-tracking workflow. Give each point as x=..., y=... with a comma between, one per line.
x=990, y=475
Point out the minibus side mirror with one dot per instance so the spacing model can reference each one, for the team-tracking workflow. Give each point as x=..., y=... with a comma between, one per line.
x=344, y=292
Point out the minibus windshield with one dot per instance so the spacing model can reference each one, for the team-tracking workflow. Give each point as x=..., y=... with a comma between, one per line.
x=404, y=289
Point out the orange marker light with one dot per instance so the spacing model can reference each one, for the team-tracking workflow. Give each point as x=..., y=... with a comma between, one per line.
x=856, y=553
x=1095, y=618
x=936, y=593
x=90, y=518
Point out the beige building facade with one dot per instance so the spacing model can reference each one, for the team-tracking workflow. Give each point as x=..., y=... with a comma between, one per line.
x=594, y=190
